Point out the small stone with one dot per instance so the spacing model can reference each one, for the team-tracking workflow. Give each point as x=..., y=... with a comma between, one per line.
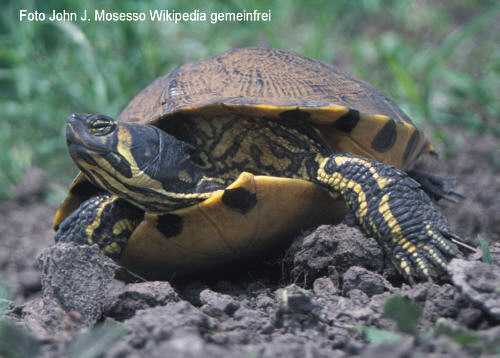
x=192, y=346
x=335, y=276
x=291, y=345
x=324, y=287
x=495, y=253
x=264, y=302
x=339, y=246
x=358, y=296
x=157, y=324
x=76, y=278
x=250, y=320
x=220, y=301
x=381, y=350
x=436, y=301
x=133, y=297
x=480, y=284
x=191, y=292
x=369, y=282
x=470, y=317
x=212, y=311
x=295, y=299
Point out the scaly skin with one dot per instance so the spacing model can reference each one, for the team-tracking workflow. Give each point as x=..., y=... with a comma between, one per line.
x=105, y=220
x=392, y=207
x=146, y=169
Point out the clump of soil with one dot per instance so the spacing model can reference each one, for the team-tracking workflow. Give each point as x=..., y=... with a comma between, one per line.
x=322, y=317
x=331, y=281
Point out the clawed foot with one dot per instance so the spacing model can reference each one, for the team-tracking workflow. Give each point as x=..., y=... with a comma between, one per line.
x=427, y=257
x=413, y=230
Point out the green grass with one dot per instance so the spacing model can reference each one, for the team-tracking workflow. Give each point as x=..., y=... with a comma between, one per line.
x=439, y=62
x=407, y=315
x=486, y=255
x=96, y=342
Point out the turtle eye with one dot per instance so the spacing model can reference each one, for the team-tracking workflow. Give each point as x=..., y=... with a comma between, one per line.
x=101, y=126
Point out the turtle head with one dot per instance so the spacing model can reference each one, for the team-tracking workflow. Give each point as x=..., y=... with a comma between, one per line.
x=88, y=134
x=139, y=163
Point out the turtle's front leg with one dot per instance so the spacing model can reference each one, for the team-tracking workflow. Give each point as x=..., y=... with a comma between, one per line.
x=391, y=206
x=105, y=220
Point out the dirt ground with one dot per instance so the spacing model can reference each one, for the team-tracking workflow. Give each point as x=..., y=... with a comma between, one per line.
x=243, y=317
x=477, y=170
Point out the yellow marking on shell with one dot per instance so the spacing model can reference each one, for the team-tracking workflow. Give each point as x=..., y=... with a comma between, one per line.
x=381, y=181
x=319, y=115
x=89, y=229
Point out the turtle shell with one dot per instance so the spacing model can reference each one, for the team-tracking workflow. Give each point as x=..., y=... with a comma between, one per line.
x=349, y=114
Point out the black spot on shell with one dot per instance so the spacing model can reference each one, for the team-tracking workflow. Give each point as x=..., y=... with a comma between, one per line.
x=410, y=147
x=348, y=121
x=295, y=114
x=239, y=199
x=170, y=225
x=385, y=138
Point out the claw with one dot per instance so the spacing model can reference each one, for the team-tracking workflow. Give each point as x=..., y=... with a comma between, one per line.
x=451, y=199
x=452, y=196
x=457, y=194
x=459, y=241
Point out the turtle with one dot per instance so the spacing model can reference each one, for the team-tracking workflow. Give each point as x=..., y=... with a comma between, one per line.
x=227, y=156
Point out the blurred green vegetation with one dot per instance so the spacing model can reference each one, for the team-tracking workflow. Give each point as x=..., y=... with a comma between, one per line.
x=407, y=315
x=438, y=60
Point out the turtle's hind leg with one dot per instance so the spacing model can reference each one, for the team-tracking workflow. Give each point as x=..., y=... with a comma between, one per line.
x=393, y=208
